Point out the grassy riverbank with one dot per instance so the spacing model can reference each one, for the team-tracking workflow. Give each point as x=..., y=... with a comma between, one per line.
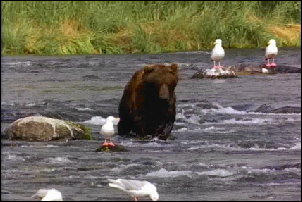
x=110, y=27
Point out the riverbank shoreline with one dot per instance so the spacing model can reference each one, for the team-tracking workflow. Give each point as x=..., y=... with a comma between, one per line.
x=68, y=28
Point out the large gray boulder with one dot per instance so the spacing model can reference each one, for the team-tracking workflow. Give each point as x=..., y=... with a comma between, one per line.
x=40, y=128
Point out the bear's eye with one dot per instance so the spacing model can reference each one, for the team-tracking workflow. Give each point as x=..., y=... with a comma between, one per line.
x=148, y=69
x=171, y=71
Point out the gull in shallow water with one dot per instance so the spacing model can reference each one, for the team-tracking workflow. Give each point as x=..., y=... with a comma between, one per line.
x=108, y=130
x=270, y=53
x=48, y=195
x=217, y=53
x=135, y=188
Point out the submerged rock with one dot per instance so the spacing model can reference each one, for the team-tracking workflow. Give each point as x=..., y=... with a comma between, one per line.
x=287, y=109
x=116, y=148
x=246, y=69
x=40, y=128
x=287, y=69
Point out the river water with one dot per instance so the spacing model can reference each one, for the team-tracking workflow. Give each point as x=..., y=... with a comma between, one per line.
x=233, y=139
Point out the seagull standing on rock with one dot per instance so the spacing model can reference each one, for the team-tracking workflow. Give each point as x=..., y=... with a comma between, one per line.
x=217, y=53
x=135, y=188
x=108, y=130
x=271, y=52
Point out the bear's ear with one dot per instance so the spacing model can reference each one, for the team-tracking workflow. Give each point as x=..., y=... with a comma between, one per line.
x=148, y=69
x=174, y=67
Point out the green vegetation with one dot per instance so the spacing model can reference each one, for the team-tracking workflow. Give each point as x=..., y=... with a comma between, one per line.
x=87, y=135
x=113, y=27
x=79, y=129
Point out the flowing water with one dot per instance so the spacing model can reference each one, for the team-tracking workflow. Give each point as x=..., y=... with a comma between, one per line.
x=233, y=139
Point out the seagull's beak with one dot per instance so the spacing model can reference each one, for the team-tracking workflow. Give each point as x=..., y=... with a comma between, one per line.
x=215, y=43
x=269, y=43
x=117, y=119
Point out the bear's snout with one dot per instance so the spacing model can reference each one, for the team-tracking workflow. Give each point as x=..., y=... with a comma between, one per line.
x=164, y=93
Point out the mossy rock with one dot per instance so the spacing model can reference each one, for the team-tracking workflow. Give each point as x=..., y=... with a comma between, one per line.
x=79, y=129
x=219, y=76
x=40, y=128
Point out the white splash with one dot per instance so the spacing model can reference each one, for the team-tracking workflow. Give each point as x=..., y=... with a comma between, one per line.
x=50, y=145
x=297, y=146
x=37, y=146
x=96, y=120
x=223, y=110
x=59, y=160
x=163, y=173
x=194, y=119
x=180, y=115
x=249, y=121
x=31, y=104
x=260, y=170
x=123, y=167
x=25, y=63
x=14, y=157
x=181, y=130
x=213, y=129
x=276, y=114
x=84, y=109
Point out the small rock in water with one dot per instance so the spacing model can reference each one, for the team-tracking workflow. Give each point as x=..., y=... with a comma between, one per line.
x=116, y=148
x=215, y=73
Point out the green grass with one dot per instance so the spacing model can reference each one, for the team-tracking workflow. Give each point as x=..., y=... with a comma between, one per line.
x=117, y=27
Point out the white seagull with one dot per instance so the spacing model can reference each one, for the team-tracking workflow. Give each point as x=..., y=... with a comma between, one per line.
x=135, y=188
x=48, y=195
x=217, y=53
x=271, y=52
x=107, y=130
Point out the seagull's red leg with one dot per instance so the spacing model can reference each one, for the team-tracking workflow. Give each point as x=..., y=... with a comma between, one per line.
x=273, y=64
x=135, y=198
x=219, y=65
x=268, y=64
x=214, y=64
x=105, y=144
x=110, y=143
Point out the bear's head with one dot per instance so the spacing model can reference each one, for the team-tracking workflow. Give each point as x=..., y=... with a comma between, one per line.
x=159, y=82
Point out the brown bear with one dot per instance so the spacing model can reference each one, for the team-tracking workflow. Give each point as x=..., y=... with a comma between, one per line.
x=147, y=107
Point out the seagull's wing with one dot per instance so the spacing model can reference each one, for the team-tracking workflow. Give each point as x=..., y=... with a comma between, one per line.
x=134, y=184
x=212, y=54
x=127, y=185
x=40, y=193
x=276, y=50
x=53, y=195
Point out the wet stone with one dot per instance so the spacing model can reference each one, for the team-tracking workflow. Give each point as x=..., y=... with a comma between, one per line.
x=40, y=128
x=116, y=148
